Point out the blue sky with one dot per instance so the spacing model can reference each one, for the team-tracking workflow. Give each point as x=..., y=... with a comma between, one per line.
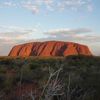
x=37, y=20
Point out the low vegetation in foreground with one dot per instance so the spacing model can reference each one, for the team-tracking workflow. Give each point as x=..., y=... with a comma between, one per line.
x=33, y=78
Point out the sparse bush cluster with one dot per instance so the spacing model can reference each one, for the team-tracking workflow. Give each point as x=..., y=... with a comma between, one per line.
x=34, y=78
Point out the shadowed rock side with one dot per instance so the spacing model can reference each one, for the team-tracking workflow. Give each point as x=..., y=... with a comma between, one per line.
x=49, y=48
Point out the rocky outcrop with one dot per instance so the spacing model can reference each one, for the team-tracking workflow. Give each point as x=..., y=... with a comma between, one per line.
x=49, y=48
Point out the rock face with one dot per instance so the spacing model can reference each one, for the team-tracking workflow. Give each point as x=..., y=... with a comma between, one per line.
x=49, y=48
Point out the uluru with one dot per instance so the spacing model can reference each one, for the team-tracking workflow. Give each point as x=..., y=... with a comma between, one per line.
x=49, y=49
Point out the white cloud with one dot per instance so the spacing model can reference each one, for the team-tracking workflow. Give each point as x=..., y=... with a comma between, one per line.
x=12, y=35
x=81, y=35
x=69, y=31
x=8, y=4
x=15, y=35
x=32, y=7
x=37, y=6
x=90, y=8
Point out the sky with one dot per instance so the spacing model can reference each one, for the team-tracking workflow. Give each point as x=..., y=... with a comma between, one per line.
x=24, y=21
